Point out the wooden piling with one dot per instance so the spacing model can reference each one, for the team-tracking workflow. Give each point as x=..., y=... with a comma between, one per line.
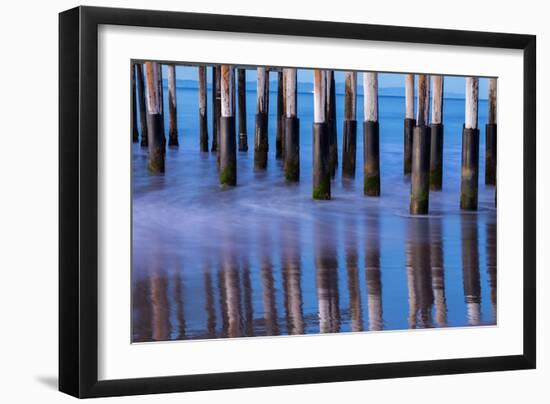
x=133, y=112
x=331, y=122
x=420, y=189
x=279, y=133
x=203, y=110
x=173, y=129
x=291, y=131
x=142, y=106
x=491, y=135
x=261, y=145
x=215, y=108
x=349, y=146
x=161, y=92
x=243, y=137
x=436, y=128
x=409, y=124
x=321, y=173
x=470, y=148
x=371, y=136
x=228, y=146
x=154, y=120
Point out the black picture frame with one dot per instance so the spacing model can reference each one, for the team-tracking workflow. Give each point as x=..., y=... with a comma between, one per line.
x=78, y=201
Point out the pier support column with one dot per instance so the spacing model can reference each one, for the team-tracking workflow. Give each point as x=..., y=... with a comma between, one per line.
x=331, y=122
x=321, y=173
x=133, y=121
x=436, y=146
x=279, y=133
x=154, y=120
x=291, y=133
x=142, y=104
x=243, y=137
x=203, y=110
x=420, y=184
x=409, y=124
x=173, y=131
x=161, y=101
x=470, y=148
x=349, y=141
x=261, y=145
x=371, y=136
x=491, y=136
x=228, y=145
x=215, y=107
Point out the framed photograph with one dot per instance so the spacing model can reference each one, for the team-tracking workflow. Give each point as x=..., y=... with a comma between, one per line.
x=252, y=201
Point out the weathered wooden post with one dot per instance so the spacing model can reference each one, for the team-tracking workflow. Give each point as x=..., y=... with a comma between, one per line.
x=203, y=110
x=261, y=145
x=371, y=136
x=491, y=135
x=291, y=129
x=409, y=124
x=133, y=112
x=279, y=133
x=321, y=173
x=349, y=147
x=420, y=185
x=436, y=128
x=154, y=120
x=215, y=107
x=173, y=130
x=243, y=137
x=142, y=102
x=161, y=92
x=228, y=146
x=470, y=148
x=331, y=122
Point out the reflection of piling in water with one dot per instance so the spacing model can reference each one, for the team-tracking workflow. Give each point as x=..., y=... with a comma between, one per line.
x=216, y=107
x=261, y=143
x=243, y=136
x=209, y=303
x=491, y=246
x=410, y=282
x=203, y=110
x=269, y=301
x=292, y=278
x=409, y=124
x=470, y=269
x=155, y=126
x=491, y=135
x=331, y=122
x=438, y=272
x=142, y=102
x=228, y=146
x=421, y=272
x=142, y=313
x=291, y=133
x=356, y=310
x=326, y=266
x=420, y=180
x=133, y=111
x=159, y=303
x=172, y=108
x=321, y=173
x=231, y=294
x=247, y=300
x=373, y=274
x=279, y=131
x=436, y=128
x=470, y=148
x=349, y=141
x=371, y=136
x=178, y=300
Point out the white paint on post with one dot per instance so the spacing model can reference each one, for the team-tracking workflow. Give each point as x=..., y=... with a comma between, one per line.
x=437, y=99
x=409, y=96
x=319, y=94
x=226, y=87
x=262, y=78
x=423, y=101
x=152, y=93
x=202, y=90
x=290, y=92
x=370, y=86
x=492, y=102
x=472, y=97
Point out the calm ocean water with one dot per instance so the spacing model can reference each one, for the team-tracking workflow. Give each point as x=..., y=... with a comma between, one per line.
x=263, y=258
